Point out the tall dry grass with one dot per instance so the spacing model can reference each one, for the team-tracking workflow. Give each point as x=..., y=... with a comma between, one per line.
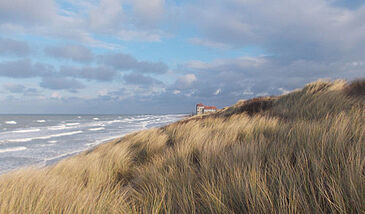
x=303, y=152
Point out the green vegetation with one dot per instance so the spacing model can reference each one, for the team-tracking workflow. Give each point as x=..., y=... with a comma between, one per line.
x=303, y=152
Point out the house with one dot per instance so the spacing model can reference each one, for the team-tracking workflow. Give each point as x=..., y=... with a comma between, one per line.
x=203, y=109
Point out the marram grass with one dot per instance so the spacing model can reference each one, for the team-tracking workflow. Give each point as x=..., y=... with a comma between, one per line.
x=303, y=152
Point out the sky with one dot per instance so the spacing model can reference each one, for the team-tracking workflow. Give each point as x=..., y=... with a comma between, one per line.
x=165, y=56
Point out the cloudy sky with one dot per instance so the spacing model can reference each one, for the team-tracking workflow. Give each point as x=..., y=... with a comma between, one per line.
x=164, y=56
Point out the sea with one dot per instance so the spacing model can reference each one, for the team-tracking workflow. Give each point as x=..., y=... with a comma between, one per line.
x=41, y=140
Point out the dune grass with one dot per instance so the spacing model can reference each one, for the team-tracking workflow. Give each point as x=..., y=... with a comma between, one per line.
x=303, y=152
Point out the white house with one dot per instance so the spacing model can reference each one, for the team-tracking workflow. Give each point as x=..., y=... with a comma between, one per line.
x=202, y=109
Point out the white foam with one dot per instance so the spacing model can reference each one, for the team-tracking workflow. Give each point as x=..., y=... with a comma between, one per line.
x=115, y=121
x=10, y=122
x=72, y=124
x=145, y=124
x=61, y=127
x=95, y=118
x=26, y=131
x=13, y=149
x=45, y=137
x=97, y=129
x=41, y=121
x=52, y=141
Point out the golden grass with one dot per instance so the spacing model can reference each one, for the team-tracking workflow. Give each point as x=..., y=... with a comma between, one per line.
x=303, y=152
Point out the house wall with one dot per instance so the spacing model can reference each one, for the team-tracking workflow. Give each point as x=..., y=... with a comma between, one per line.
x=199, y=110
x=209, y=110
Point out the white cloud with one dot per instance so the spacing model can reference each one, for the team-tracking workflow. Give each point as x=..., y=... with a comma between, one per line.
x=56, y=95
x=106, y=16
x=148, y=12
x=176, y=92
x=103, y=92
x=218, y=91
x=184, y=83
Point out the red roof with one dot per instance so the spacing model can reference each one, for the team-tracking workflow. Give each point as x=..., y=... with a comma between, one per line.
x=205, y=107
x=210, y=107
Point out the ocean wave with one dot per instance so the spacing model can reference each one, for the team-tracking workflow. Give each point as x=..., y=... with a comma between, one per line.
x=21, y=140
x=41, y=121
x=13, y=149
x=60, y=127
x=11, y=122
x=115, y=121
x=26, y=131
x=52, y=141
x=145, y=124
x=97, y=129
x=95, y=118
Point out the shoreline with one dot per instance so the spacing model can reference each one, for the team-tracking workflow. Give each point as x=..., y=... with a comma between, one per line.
x=89, y=146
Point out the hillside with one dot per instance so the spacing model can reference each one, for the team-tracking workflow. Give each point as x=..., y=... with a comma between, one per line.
x=303, y=152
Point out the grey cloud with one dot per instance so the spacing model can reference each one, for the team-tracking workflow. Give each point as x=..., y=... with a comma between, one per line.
x=112, y=16
x=151, y=67
x=353, y=4
x=148, y=13
x=207, y=43
x=20, y=89
x=56, y=83
x=140, y=92
x=247, y=77
x=76, y=53
x=13, y=47
x=26, y=12
x=141, y=14
x=100, y=73
x=119, y=61
x=126, y=62
x=14, y=88
x=312, y=30
x=141, y=35
x=31, y=92
x=48, y=18
x=142, y=80
x=24, y=68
